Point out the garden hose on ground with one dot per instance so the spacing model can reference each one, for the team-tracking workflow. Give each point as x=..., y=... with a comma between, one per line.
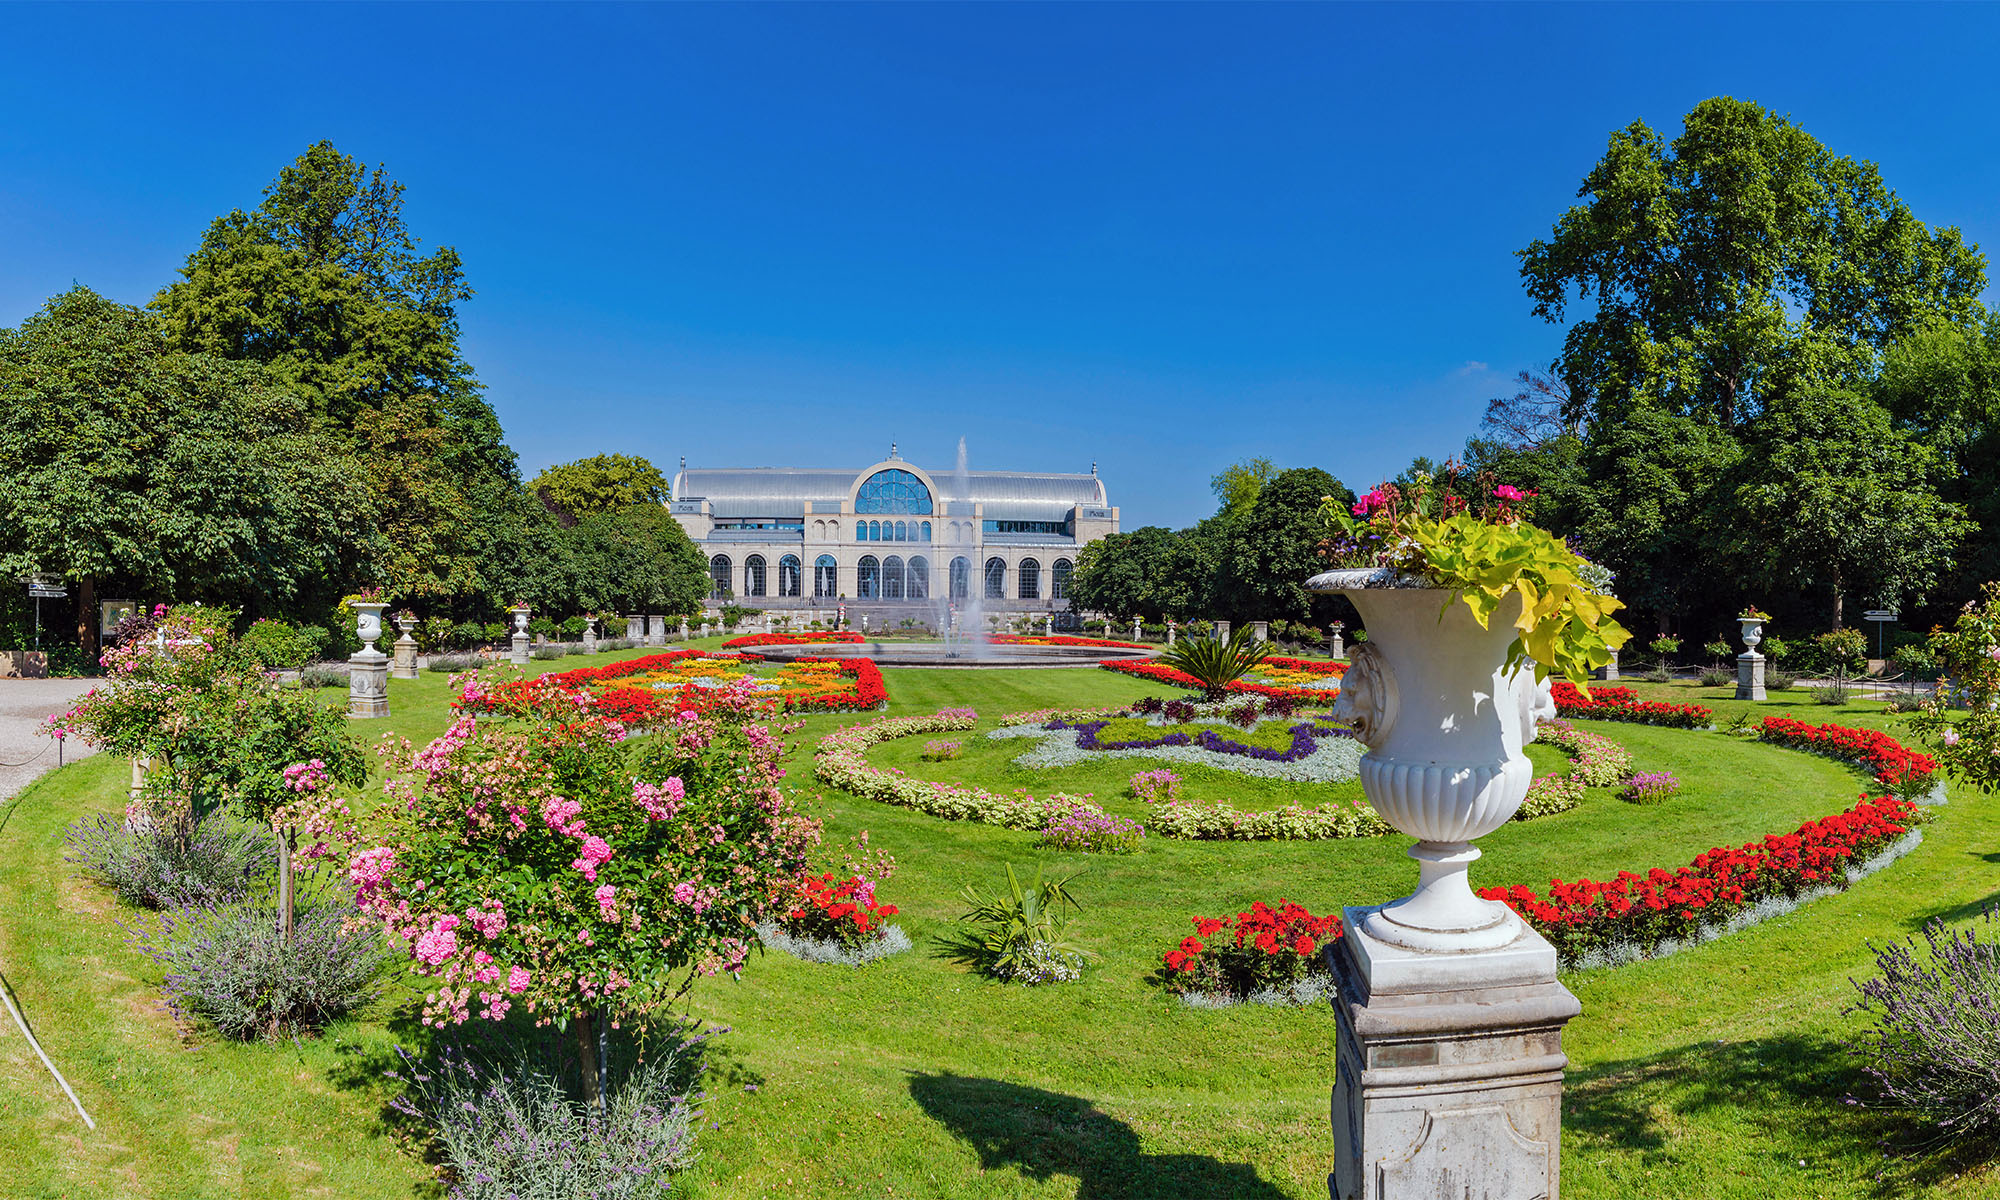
x=7, y=994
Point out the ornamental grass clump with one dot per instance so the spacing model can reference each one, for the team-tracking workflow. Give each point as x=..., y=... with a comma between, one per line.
x=230, y=966
x=1091, y=830
x=1159, y=786
x=1021, y=935
x=1649, y=787
x=1932, y=1049
x=514, y=1132
x=172, y=860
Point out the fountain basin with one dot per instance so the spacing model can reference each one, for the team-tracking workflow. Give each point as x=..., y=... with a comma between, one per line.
x=953, y=654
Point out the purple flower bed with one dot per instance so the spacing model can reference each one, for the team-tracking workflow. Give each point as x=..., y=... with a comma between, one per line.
x=1305, y=740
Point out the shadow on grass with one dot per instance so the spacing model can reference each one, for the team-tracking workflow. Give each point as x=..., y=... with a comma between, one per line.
x=1791, y=1095
x=1043, y=1134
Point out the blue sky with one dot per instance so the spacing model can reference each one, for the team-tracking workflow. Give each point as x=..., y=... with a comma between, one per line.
x=1161, y=238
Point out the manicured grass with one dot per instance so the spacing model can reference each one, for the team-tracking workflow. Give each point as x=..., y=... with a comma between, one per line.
x=1711, y=1073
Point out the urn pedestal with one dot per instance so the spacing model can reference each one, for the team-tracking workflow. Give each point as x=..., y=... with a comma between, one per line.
x=1449, y=1015
x=635, y=630
x=590, y=635
x=1609, y=671
x=368, y=668
x=656, y=631
x=517, y=650
x=1750, y=664
x=404, y=665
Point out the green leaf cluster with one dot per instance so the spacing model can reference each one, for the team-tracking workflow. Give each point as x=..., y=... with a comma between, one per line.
x=1214, y=663
x=1005, y=934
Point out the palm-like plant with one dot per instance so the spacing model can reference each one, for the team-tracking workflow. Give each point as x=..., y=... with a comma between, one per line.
x=1021, y=933
x=1215, y=664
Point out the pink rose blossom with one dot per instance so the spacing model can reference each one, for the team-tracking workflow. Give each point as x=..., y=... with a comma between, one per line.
x=517, y=980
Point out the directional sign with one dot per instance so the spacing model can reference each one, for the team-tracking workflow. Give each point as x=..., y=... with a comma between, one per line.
x=1880, y=614
x=42, y=588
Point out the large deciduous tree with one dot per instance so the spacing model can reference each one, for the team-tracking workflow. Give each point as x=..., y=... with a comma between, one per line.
x=600, y=483
x=1736, y=263
x=1275, y=548
x=638, y=559
x=127, y=461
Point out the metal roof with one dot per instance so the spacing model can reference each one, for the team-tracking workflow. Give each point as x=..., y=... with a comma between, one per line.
x=786, y=491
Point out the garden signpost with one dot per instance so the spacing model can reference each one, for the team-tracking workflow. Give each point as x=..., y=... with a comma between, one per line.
x=1883, y=618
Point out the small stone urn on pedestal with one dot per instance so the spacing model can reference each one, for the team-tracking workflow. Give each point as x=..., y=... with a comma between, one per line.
x=590, y=635
x=405, y=664
x=368, y=668
x=1173, y=627
x=518, y=648
x=1137, y=629
x=1449, y=1058
x=1750, y=664
x=1335, y=647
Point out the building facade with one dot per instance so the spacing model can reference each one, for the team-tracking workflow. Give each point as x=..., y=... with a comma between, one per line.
x=892, y=537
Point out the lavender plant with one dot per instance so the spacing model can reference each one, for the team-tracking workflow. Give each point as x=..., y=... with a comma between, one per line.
x=172, y=859
x=1092, y=831
x=1933, y=1048
x=514, y=1132
x=229, y=966
x=1650, y=787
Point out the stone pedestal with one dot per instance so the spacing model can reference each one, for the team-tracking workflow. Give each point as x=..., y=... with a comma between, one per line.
x=1048, y=626
x=1335, y=647
x=1137, y=630
x=404, y=666
x=1609, y=670
x=656, y=631
x=1749, y=676
x=635, y=629
x=1261, y=630
x=1171, y=630
x=590, y=635
x=1449, y=1070
x=368, y=683
x=517, y=650
x=1222, y=631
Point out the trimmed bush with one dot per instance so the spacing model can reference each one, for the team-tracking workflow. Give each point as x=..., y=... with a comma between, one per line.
x=276, y=645
x=446, y=664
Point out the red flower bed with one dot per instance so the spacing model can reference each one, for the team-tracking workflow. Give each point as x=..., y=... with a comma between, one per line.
x=1896, y=766
x=1622, y=704
x=791, y=639
x=1016, y=639
x=842, y=911
x=636, y=705
x=1159, y=672
x=1252, y=951
x=1645, y=910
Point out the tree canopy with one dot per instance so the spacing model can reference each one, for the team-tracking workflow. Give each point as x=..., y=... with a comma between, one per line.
x=600, y=483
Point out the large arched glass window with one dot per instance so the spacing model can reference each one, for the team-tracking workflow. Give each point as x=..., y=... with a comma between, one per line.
x=892, y=578
x=893, y=491
x=961, y=578
x=826, y=577
x=1031, y=579
x=996, y=579
x=718, y=577
x=788, y=575
x=1059, y=577
x=753, y=575
x=919, y=585
x=868, y=579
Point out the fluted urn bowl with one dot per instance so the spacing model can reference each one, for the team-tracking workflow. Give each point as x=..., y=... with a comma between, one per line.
x=1444, y=720
x=368, y=622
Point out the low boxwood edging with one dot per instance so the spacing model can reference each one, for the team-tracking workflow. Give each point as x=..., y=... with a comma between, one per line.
x=842, y=762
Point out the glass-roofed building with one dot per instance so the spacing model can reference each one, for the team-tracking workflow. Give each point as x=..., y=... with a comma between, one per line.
x=892, y=535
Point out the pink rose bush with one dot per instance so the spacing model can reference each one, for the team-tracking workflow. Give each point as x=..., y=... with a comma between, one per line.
x=540, y=858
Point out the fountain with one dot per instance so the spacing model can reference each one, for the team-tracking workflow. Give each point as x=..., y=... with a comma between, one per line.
x=961, y=622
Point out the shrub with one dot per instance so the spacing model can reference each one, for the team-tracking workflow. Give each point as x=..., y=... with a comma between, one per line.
x=1836, y=692
x=1970, y=654
x=323, y=675
x=465, y=635
x=1251, y=954
x=1649, y=787
x=1717, y=677
x=495, y=631
x=275, y=645
x=1783, y=681
x=1160, y=786
x=942, y=750
x=1933, y=1047
x=449, y=664
x=1776, y=649
x=548, y=653
x=1717, y=649
x=1658, y=675
x=1917, y=662
x=1843, y=651
x=165, y=863
x=1214, y=664
x=318, y=640
x=573, y=627
x=515, y=1133
x=433, y=634
x=227, y=965
x=1020, y=936
x=542, y=627
x=1091, y=830
x=1666, y=647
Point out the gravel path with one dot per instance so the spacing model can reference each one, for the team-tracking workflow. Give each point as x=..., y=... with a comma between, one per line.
x=24, y=704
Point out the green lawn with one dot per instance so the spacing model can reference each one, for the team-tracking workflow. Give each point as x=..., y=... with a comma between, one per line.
x=1714, y=1073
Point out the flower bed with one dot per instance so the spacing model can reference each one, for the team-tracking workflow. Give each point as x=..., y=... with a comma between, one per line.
x=1623, y=704
x=1304, y=740
x=1307, y=754
x=1904, y=771
x=1018, y=639
x=645, y=691
x=1262, y=955
x=1635, y=915
x=791, y=639
x=1158, y=672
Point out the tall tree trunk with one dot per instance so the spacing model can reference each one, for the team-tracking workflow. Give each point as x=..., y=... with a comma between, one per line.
x=288, y=840
x=1839, y=600
x=587, y=1061
x=86, y=619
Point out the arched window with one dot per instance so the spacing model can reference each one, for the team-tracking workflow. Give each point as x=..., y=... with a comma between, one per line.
x=927, y=531
x=892, y=578
x=788, y=575
x=893, y=491
x=961, y=578
x=826, y=578
x=868, y=579
x=919, y=585
x=861, y=531
x=718, y=577
x=902, y=532
x=996, y=579
x=874, y=531
x=1059, y=577
x=1031, y=579
x=753, y=575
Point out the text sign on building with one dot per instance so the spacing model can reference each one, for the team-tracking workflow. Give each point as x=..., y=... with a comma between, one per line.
x=688, y=506
x=1093, y=514
x=1880, y=614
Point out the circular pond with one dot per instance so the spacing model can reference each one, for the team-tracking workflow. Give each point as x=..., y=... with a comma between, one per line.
x=954, y=654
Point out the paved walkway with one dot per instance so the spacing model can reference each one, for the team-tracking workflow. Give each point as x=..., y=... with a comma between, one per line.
x=25, y=704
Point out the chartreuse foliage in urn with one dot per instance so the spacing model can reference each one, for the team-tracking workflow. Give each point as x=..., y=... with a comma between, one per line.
x=1484, y=551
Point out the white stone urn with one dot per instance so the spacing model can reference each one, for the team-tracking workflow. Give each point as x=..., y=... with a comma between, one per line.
x=1444, y=720
x=520, y=612
x=1753, y=632
x=368, y=623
